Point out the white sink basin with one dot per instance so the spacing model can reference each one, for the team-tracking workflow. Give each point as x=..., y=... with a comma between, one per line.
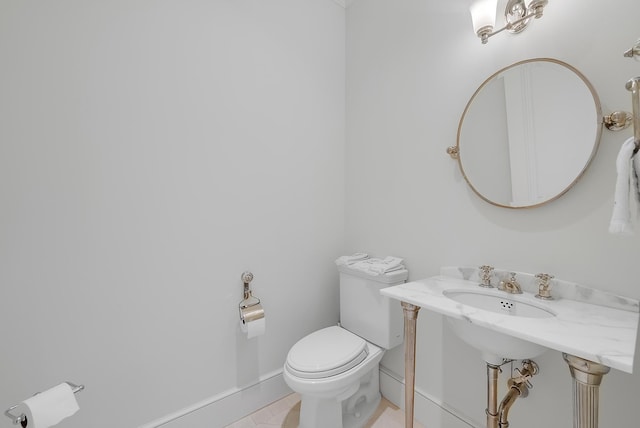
x=495, y=346
x=580, y=321
x=498, y=302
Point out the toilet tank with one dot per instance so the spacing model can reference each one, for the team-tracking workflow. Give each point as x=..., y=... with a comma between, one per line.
x=365, y=312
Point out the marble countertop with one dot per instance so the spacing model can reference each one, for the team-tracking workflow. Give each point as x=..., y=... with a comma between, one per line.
x=595, y=331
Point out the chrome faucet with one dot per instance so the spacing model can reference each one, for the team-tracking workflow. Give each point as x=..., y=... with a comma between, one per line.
x=511, y=285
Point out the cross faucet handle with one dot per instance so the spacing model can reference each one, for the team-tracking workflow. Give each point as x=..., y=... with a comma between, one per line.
x=485, y=276
x=544, y=291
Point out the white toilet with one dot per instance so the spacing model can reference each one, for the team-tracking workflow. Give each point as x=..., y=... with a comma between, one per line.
x=335, y=370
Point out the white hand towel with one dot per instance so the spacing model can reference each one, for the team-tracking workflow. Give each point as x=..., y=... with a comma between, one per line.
x=349, y=260
x=389, y=264
x=635, y=184
x=621, y=217
x=50, y=407
x=376, y=267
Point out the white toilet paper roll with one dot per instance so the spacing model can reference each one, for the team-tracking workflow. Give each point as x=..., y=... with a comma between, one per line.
x=253, y=328
x=50, y=407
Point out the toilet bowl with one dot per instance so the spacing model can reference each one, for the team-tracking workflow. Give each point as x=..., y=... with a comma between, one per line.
x=336, y=369
x=336, y=374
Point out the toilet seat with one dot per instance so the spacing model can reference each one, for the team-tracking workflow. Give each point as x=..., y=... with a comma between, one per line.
x=327, y=352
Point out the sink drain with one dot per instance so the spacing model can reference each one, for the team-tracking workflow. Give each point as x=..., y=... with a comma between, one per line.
x=508, y=306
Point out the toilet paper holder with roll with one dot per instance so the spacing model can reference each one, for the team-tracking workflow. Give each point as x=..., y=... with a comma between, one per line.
x=22, y=419
x=250, y=307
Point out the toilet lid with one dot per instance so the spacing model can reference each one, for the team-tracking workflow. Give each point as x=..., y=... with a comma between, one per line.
x=325, y=353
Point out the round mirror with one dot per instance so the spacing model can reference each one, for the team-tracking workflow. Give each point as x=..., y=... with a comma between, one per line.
x=528, y=133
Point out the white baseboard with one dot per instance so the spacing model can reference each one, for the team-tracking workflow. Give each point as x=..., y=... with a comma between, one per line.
x=234, y=404
x=227, y=407
x=429, y=411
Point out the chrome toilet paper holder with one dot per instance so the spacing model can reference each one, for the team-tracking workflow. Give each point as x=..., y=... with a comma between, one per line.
x=250, y=307
x=22, y=418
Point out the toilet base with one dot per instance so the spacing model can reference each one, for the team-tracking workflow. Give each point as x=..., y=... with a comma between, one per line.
x=352, y=409
x=363, y=414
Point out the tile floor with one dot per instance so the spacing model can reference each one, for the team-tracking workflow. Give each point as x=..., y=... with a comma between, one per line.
x=286, y=412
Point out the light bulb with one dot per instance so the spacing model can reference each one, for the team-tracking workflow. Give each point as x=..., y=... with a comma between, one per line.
x=483, y=14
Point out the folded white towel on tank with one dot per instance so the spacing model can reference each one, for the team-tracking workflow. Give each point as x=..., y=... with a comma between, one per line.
x=349, y=260
x=375, y=266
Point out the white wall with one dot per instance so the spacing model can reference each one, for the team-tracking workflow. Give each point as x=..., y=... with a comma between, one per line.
x=411, y=68
x=150, y=152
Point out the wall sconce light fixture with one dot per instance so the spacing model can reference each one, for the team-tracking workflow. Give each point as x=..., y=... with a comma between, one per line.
x=517, y=15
